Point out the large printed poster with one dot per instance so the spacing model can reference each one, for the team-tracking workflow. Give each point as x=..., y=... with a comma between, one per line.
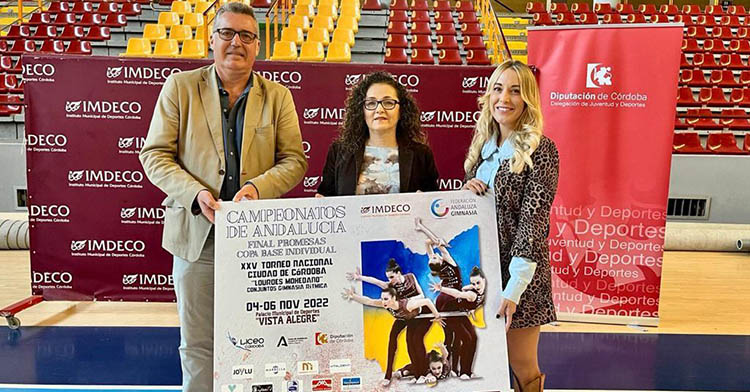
x=608, y=98
x=359, y=293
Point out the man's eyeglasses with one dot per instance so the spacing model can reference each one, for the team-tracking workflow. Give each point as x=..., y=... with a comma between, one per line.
x=228, y=35
x=388, y=104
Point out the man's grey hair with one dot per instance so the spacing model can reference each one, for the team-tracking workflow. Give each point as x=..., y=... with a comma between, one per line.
x=236, y=7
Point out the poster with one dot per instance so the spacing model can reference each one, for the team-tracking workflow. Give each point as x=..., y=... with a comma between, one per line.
x=314, y=295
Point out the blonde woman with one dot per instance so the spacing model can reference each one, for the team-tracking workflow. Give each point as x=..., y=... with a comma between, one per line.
x=511, y=159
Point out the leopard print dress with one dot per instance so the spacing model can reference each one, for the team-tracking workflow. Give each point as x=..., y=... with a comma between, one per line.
x=523, y=204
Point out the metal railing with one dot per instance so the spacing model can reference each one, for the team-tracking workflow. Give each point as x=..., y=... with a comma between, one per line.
x=279, y=18
x=209, y=12
x=20, y=13
x=494, y=33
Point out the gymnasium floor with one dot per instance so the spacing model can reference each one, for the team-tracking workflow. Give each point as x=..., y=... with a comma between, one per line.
x=701, y=344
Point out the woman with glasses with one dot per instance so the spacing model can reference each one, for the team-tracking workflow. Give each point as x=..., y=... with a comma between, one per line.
x=381, y=147
x=510, y=158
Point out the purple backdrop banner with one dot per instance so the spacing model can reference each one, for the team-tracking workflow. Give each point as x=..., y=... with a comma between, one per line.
x=96, y=220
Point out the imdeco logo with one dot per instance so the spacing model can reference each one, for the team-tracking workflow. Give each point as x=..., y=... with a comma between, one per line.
x=290, y=79
x=384, y=210
x=49, y=213
x=105, y=179
x=450, y=118
x=111, y=110
x=52, y=278
x=154, y=76
x=427, y=116
x=311, y=182
x=476, y=84
x=117, y=246
x=151, y=282
x=351, y=80
x=130, y=145
x=311, y=113
x=306, y=147
x=40, y=73
x=46, y=142
x=323, y=116
x=142, y=215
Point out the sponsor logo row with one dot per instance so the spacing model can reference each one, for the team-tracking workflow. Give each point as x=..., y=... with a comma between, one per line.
x=316, y=384
x=439, y=208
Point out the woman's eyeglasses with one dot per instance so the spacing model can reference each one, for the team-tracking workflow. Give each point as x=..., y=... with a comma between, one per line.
x=388, y=104
x=228, y=35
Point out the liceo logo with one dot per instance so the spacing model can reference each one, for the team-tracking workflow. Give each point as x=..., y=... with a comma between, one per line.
x=438, y=208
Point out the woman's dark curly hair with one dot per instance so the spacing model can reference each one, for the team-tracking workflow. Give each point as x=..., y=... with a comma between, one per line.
x=354, y=133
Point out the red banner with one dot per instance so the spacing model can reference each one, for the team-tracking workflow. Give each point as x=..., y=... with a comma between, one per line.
x=608, y=96
x=96, y=220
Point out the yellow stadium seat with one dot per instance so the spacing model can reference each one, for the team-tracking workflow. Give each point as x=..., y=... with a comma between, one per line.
x=521, y=58
x=293, y=34
x=193, y=49
x=193, y=20
x=301, y=21
x=311, y=2
x=514, y=33
x=166, y=48
x=169, y=18
x=348, y=22
x=154, y=31
x=510, y=21
x=138, y=47
x=318, y=35
x=339, y=52
x=328, y=10
x=312, y=51
x=350, y=3
x=350, y=11
x=284, y=51
x=324, y=2
x=516, y=45
x=343, y=35
x=202, y=6
x=181, y=7
x=305, y=10
x=181, y=33
x=325, y=22
x=199, y=32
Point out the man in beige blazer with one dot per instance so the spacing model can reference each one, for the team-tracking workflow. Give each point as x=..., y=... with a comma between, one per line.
x=220, y=132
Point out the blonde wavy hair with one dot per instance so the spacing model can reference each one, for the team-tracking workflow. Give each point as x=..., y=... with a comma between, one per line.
x=528, y=130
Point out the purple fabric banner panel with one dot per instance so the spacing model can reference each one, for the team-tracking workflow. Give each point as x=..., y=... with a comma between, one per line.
x=96, y=220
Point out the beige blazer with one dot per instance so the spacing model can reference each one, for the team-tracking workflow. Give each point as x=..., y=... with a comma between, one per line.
x=184, y=150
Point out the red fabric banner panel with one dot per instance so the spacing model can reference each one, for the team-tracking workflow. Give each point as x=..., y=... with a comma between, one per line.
x=609, y=101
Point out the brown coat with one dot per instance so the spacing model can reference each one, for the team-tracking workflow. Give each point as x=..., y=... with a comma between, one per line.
x=523, y=204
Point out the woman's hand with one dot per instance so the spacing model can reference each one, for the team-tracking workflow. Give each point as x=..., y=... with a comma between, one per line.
x=356, y=275
x=436, y=287
x=439, y=320
x=476, y=185
x=319, y=196
x=347, y=294
x=507, y=308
